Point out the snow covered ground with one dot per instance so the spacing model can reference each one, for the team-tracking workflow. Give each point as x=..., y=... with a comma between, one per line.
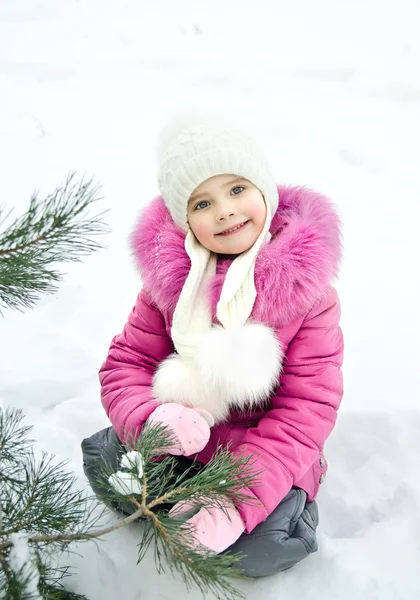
x=332, y=88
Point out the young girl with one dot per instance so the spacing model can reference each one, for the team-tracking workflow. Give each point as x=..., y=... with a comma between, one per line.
x=234, y=338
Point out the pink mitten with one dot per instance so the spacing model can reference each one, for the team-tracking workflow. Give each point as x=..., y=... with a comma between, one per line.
x=190, y=426
x=213, y=527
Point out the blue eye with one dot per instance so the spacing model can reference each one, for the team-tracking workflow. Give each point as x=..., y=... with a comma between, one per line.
x=199, y=204
x=237, y=187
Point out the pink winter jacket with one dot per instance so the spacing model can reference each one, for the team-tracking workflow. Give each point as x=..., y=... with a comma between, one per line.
x=293, y=275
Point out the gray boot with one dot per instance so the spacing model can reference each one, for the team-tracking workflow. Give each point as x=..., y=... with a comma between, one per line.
x=286, y=537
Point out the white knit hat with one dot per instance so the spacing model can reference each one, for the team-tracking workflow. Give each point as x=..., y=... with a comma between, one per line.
x=189, y=157
x=205, y=150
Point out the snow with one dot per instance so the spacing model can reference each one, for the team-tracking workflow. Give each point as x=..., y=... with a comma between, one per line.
x=22, y=561
x=125, y=483
x=128, y=482
x=133, y=460
x=331, y=89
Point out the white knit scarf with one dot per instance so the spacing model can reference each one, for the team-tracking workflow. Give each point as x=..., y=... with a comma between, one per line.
x=192, y=316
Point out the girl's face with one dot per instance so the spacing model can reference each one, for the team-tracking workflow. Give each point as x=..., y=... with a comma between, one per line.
x=226, y=214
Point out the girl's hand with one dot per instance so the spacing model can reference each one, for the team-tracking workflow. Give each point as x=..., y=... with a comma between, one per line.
x=214, y=528
x=190, y=427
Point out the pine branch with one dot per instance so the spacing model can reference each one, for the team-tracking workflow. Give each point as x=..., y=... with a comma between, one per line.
x=50, y=584
x=40, y=501
x=50, y=592
x=223, y=477
x=14, y=442
x=82, y=536
x=55, y=230
x=198, y=567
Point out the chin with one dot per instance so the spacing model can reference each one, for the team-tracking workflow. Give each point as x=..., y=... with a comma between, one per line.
x=237, y=249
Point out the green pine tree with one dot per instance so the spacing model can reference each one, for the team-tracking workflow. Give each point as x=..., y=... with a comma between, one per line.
x=55, y=230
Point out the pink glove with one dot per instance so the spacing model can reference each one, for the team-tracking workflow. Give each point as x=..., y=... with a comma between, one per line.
x=190, y=426
x=214, y=528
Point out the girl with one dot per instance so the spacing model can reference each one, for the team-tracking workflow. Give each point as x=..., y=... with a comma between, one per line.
x=234, y=338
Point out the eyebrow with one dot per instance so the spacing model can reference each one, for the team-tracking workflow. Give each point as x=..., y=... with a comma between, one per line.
x=197, y=196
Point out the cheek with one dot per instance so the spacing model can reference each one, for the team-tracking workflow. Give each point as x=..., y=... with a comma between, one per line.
x=258, y=211
x=199, y=227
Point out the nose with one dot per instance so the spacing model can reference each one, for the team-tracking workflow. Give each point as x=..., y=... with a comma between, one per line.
x=224, y=212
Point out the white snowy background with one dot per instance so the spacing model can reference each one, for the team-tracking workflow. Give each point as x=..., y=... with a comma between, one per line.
x=333, y=89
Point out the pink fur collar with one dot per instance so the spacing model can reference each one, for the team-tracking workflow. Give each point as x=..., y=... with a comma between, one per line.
x=291, y=272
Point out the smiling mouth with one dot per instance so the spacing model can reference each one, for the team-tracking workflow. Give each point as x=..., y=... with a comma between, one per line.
x=233, y=229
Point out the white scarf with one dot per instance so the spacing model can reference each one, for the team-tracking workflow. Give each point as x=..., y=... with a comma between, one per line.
x=192, y=316
x=219, y=367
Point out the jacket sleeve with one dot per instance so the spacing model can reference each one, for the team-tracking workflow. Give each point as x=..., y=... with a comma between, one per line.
x=127, y=373
x=291, y=435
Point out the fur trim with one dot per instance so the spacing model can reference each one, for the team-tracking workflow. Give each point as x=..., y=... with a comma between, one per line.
x=291, y=272
x=232, y=369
